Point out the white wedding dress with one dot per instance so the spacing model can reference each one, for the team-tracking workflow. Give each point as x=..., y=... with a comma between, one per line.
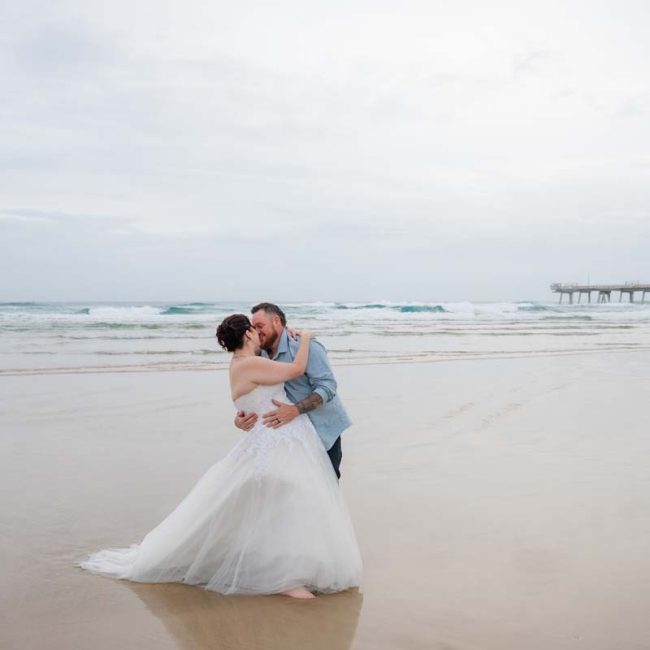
x=267, y=518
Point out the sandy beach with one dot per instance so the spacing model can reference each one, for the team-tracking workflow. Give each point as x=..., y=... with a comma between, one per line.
x=499, y=504
x=453, y=197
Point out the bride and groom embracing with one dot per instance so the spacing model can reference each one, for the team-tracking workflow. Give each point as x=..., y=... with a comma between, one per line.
x=269, y=517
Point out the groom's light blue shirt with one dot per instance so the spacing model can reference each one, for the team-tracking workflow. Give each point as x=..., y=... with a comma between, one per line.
x=329, y=420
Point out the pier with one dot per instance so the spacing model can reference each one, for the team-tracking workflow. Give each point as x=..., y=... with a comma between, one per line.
x=604, y=290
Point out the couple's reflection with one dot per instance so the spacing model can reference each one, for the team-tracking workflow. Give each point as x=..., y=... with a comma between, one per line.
x=203, y=619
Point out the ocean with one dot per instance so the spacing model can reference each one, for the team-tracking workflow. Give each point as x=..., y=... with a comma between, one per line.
x=45, y=338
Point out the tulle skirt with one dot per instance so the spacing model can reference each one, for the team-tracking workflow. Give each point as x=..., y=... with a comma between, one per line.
x=267, y=518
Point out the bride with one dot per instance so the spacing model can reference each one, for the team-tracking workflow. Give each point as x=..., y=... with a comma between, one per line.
x=269, y=517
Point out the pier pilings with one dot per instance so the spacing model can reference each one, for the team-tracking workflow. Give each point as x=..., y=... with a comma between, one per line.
x=604, y=291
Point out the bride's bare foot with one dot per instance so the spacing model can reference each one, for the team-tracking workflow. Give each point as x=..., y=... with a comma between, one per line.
x=300, y=592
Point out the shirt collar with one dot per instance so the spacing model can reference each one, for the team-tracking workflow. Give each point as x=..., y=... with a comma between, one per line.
x=283, y=346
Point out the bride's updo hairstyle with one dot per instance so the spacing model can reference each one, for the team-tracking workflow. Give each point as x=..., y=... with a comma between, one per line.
x=230, y=333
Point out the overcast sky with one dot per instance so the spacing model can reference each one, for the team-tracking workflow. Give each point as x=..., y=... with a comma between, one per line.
x=322, y=150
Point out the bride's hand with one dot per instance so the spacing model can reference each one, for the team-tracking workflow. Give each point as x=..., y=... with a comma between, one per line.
x=294, y=333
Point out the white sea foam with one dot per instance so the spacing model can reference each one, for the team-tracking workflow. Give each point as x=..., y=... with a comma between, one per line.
x=124, y=314
x=42, y=335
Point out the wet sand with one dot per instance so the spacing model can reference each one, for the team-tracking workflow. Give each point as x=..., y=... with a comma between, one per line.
x=499, y=504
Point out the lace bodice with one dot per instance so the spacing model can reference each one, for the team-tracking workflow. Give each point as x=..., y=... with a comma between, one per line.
x=259, y=400
x=261, y=440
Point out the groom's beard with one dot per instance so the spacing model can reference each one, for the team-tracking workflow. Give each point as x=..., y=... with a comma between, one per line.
x=269, y=342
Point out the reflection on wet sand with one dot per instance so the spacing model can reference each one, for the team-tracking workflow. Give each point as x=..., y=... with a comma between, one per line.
x=198, y=618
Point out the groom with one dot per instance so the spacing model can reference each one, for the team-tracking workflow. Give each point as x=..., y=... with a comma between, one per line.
x=314, y=393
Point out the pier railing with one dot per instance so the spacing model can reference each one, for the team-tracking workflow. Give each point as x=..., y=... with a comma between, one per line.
x=604, y=290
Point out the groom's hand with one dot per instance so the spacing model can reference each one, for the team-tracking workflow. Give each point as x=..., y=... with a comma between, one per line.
x=283, y=414
x=245, y=422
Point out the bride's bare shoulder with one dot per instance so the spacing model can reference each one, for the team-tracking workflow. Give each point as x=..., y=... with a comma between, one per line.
x=242, y=366
x=241, y=380
x=240, y=363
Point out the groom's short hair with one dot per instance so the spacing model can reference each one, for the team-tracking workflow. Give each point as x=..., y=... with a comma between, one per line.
x=270, y=308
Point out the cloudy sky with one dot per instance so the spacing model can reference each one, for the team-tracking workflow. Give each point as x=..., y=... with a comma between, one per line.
x=322, y=150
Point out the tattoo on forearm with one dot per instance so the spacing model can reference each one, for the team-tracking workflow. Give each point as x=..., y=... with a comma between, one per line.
x=310, y=403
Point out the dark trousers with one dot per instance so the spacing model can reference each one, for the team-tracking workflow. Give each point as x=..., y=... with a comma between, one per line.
x=336, y=453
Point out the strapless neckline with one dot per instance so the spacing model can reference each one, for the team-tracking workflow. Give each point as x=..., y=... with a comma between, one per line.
x=260, y=399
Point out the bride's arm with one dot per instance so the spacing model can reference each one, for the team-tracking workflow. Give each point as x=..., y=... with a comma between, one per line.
x=266, y=371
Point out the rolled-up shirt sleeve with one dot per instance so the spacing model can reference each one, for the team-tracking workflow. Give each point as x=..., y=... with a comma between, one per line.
x=320, y=373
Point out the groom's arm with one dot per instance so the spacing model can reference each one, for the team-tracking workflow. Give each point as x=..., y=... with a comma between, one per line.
x=311, y=402
x=320, y=375
x=321, y=378
x=287, y=412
